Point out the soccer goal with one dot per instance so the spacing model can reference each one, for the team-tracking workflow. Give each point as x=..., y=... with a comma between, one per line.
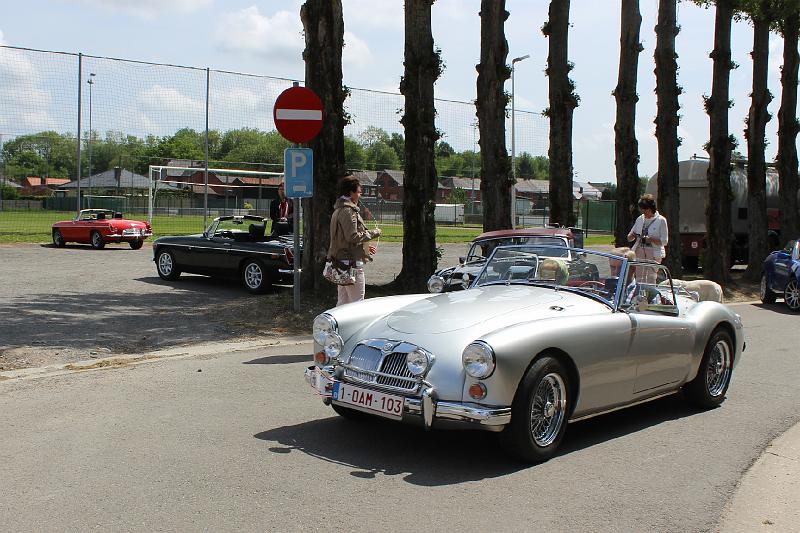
x=185, y=191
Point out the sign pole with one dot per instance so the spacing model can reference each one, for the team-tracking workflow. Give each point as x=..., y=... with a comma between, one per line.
x=296, y=224
x=297, y=115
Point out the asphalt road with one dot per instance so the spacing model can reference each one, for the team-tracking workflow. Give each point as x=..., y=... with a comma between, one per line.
x=237, y=441
x=64, y=305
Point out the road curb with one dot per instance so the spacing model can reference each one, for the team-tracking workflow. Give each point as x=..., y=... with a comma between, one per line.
x=124, y=360
x=768, y=495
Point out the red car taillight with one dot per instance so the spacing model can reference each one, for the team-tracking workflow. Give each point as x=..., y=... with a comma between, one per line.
x=289, y=255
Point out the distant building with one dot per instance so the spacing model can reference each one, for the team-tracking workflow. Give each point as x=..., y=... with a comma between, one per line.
x=37, y=186
x=113, y=182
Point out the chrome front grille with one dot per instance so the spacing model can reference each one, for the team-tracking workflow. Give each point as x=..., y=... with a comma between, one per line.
x=395, y=364
x=370, y=364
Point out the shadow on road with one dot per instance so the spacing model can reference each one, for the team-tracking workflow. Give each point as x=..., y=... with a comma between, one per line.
x=447, y=457
x=281, y=359
x=120, y=321
x=777, y=307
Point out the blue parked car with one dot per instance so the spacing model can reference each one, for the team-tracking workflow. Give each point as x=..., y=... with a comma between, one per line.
x=781, y=276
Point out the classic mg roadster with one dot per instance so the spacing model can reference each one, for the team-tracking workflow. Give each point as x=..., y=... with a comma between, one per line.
x=99, y=227
x=526, y=349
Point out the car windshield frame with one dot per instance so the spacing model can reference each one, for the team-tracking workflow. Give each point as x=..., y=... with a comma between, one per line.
x=559, y=241
x=94, y=211
x=528, y=253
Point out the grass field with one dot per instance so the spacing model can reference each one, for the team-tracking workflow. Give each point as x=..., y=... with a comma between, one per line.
x=35, y=227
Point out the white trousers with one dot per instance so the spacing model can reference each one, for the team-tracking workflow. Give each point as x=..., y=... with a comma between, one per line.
x=352, y=293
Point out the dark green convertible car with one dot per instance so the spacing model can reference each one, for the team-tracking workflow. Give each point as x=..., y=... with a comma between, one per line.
x=232, y=246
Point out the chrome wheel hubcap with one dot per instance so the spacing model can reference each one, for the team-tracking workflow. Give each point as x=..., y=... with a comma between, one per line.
x=548, y=409
x=719, y=368
x=253, y=276
x=792, y=295
x=165, y=264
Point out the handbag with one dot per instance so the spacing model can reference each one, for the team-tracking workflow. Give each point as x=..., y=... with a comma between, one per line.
x=339, y=273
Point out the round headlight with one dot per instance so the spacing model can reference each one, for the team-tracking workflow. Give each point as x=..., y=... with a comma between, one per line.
x=436, y=283
x=324, y=325
x=333, y=345
x=465, y=281
x=478, y=360
x=417, y=362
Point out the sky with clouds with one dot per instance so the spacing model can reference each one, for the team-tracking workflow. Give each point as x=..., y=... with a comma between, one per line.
x=265, y=37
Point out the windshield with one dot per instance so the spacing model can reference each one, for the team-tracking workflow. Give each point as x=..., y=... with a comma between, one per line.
x=583, y=271
x=551, y=246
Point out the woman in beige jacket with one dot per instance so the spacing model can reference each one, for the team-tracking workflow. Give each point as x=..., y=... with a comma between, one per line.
x=350, y=238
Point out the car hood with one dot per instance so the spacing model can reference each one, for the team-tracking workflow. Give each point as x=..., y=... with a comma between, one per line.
x=491, y=306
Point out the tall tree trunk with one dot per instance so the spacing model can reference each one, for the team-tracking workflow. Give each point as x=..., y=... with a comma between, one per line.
x=324, y=34
x=667, y=92
x=563, y=102
x=717, y=259
x=757, y=119
x=422, y=68
x=788, y=129
x=626, y=147
x=491, y=112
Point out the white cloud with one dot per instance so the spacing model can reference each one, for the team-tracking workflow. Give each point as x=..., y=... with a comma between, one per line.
x=373, y=14
x=23, y=89
x=247, y=30
x=356, y=53
x=148, y=8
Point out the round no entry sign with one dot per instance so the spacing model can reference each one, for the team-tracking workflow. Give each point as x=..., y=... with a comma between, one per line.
x=298, y=114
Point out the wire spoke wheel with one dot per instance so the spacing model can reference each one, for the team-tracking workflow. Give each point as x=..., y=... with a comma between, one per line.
x=547, y=409
x=718, y=369
x=792, y=295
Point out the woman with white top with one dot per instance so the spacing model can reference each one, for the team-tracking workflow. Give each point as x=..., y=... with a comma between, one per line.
x=649, y=231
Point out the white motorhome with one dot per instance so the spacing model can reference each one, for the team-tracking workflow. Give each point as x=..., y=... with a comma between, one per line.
x=693, y=188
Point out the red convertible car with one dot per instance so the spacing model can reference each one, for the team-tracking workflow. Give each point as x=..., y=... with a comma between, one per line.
x=100, y=226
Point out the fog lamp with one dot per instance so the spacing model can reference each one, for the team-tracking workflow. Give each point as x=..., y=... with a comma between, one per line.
x=333, y=345
x=417, y=362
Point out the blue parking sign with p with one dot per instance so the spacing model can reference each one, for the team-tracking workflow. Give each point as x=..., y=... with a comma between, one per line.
x=298, y=171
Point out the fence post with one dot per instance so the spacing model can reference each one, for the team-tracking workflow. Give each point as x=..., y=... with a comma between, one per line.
x=80, y=93
x=205, y=179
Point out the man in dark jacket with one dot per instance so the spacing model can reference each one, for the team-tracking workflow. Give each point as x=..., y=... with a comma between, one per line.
x=280, y=212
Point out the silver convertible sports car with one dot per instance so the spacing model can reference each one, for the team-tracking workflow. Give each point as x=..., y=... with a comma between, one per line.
x=527, y=348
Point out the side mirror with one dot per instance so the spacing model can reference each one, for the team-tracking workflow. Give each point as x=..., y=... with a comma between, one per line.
x=462, y=259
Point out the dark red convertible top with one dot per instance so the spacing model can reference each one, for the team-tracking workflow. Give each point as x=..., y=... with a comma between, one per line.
x=526, y=232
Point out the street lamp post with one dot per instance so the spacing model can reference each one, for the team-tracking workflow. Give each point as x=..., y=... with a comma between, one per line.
x=513, y=153
x=90, y=81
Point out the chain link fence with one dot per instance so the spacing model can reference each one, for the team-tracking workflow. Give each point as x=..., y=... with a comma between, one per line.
x=68, y=120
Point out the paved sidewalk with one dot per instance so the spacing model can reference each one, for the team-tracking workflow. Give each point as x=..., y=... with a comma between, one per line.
x=768, y=496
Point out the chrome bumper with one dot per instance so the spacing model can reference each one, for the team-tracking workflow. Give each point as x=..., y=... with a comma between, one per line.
x=142, y=235
x=426, y=409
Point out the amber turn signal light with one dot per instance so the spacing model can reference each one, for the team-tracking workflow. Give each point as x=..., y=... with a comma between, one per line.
x=477, y=391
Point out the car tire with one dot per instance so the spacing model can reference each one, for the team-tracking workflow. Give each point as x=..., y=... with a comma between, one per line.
x=97, y=240
x=767, y=296
x=539, y=412
x=137, y=244
x=58, y=239
x=791, y=295
x=166, y=266
x=708, y=388
x=351, y=414
x=255, y=277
